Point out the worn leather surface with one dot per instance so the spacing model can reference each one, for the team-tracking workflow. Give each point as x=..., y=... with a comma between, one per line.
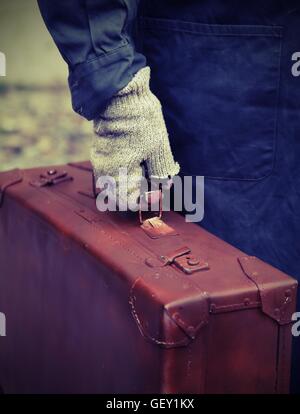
x=85, y=313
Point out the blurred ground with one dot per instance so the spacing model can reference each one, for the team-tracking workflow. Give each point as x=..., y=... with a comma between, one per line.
x=37, y=124
x=38, y=127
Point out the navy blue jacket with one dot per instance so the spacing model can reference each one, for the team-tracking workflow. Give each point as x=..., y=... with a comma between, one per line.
x=95, y=39
x=228, y=76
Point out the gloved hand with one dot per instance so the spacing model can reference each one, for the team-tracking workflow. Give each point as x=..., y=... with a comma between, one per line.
x=131, y=130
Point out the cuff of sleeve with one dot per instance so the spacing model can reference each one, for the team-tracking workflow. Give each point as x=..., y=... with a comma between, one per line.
x=93, y=84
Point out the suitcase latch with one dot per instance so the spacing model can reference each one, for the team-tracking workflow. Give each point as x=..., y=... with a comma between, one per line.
x=181, y=258
x=185, y=261
x=190, y=264
x=51, y=177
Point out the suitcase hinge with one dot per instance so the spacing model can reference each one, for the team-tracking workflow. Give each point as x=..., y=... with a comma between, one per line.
x=51, y=177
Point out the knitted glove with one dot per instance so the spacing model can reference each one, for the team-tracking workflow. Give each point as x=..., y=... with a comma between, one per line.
x=131, y=130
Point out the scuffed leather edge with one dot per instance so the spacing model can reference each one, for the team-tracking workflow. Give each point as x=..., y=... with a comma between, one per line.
x=169, y=324
x=277, y=291
x=7, y=179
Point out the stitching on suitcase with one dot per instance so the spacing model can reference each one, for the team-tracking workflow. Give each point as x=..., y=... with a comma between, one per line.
x=59, y=195
x=97, y=223
x=132, y=252
x=235, y=306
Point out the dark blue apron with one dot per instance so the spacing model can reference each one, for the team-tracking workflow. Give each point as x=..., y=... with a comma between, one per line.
x=227, y=74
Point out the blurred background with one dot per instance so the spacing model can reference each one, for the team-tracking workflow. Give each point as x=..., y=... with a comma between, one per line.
x=37, y=123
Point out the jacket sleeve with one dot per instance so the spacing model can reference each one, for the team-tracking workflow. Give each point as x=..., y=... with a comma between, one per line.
x=95, y=38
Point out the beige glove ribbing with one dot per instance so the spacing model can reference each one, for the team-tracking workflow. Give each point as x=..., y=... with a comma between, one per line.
x=131, y=130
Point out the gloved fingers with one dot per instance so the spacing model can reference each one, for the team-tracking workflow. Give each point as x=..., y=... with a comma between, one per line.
x=119, y=192
x=130, y=186
x=160, y=163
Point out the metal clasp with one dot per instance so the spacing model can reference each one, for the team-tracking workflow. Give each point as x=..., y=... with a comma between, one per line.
x=51, y=177
x=181, y=258
x=185, y=261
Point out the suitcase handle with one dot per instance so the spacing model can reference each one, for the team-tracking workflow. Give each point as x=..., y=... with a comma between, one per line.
x=160, y=206
x=156, y=228
x=182, y=256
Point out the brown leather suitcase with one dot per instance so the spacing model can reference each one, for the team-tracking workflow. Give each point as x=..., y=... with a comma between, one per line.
x=95, y=303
